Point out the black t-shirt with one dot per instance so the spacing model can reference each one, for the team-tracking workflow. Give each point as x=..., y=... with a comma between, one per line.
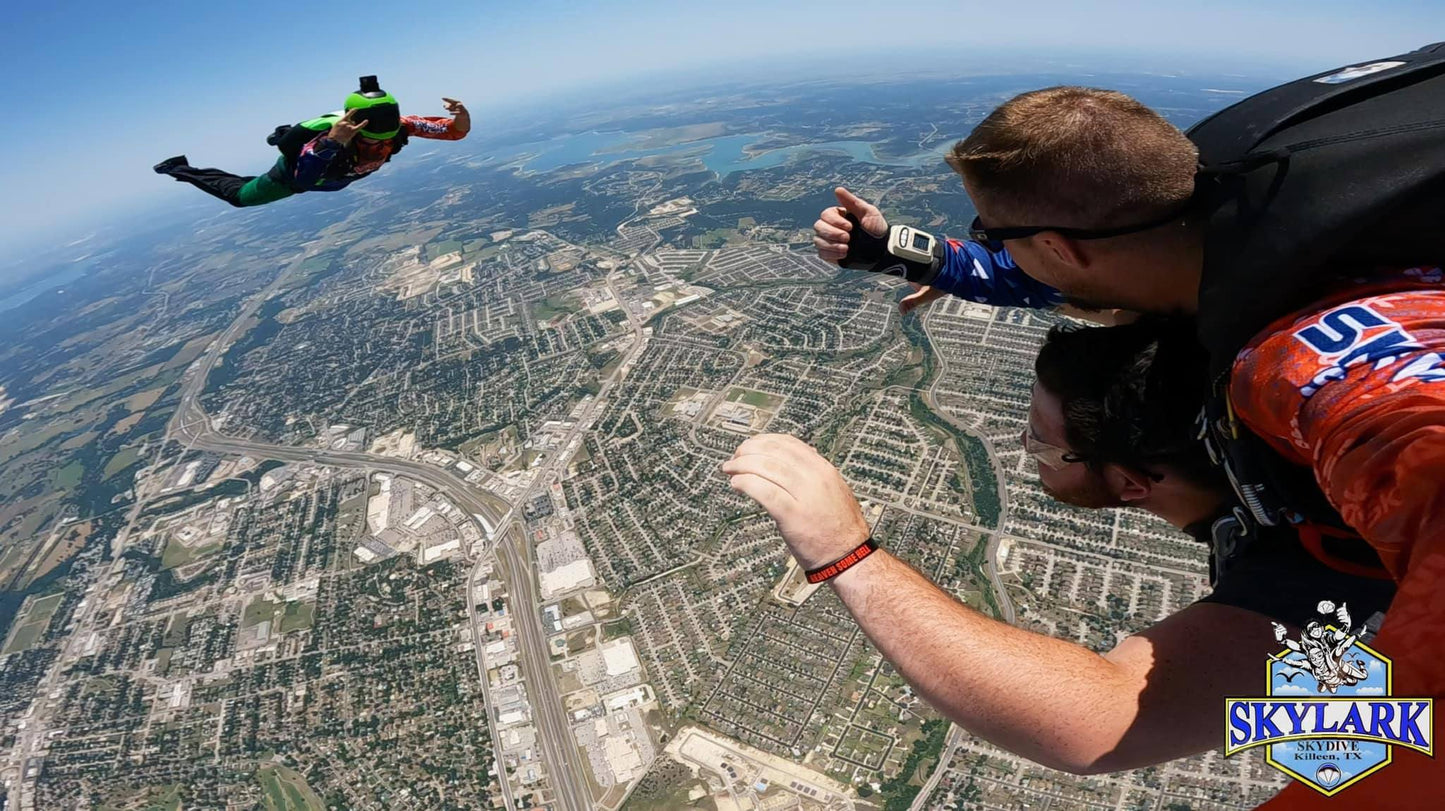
x=1271, y=573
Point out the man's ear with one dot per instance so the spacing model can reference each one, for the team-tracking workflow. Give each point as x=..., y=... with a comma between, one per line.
x=1129, y=486
x=1065, y=250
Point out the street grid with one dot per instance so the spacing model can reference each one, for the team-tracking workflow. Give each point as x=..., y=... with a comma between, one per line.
x=494, y=347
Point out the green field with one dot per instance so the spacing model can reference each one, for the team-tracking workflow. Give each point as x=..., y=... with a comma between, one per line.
x=176, y=631
x=285, y=790
x=189, y=352
x=175, y=554
x=151, y=798
x=108, y=389
x=976, y=600
x=756, y=399
x=24, y=637
x=37, y=436
x=715, y=238
x=906, y=377
x=32, y=623
x=123, y=459
x=69, y=476
x=616, y=628
x=482, y=254
x=553, y=306
x=170, y=800
x=315, y=263
x=178, y=554
x=297, y=615
x=442, y=248
x=260, y=610
x=583, y=454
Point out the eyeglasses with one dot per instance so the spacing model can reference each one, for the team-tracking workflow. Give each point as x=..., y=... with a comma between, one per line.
x=1051, y=456
x=993, y=238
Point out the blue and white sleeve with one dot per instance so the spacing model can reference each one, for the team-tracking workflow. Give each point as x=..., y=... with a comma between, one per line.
x=971, y=271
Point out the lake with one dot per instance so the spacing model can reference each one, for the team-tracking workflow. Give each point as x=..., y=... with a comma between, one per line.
x=723, y=155
x=41, y=285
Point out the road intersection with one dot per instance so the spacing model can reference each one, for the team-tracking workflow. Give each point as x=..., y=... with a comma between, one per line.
x=496, y=517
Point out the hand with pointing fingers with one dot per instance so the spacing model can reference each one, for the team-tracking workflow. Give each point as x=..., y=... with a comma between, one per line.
x=831, y=231
x=346, y=127
x=814, y=508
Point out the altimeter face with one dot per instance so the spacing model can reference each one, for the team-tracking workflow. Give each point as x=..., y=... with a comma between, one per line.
x=911, y=244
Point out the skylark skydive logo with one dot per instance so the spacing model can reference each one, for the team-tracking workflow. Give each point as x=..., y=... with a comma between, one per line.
x=1340, y=721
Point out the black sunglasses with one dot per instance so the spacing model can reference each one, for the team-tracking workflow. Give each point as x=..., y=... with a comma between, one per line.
x=993, y=238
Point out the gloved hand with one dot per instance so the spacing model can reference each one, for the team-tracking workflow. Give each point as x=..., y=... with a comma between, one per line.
x=870, y=253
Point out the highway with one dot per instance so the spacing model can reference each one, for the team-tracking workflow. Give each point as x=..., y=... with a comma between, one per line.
x=562, y=757
x=478, y=649
x=192, y=427
x=568, y=779
x=515, y=554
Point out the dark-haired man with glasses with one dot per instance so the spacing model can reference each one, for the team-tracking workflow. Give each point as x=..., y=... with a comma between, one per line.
x=1156, y=695
x=1110, y=424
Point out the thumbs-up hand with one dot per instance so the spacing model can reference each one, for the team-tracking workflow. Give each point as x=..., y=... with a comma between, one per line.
x=832, y=230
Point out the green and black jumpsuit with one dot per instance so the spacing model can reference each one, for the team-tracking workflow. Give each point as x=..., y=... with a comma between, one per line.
x=309, y=161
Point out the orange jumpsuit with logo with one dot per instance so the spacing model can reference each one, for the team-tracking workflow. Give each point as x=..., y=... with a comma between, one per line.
x=1355, y=389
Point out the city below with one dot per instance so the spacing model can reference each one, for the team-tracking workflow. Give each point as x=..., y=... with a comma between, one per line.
x=413, y=500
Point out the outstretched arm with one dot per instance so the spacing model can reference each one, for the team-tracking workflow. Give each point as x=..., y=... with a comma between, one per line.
x=439, y=128
x=969, y=269
x=1154, y=697
x=1281, y=636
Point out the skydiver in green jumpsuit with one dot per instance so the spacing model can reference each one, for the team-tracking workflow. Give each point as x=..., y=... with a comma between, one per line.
x=327, y=153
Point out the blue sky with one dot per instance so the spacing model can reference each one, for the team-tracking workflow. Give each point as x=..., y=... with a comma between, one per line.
x=103, y=89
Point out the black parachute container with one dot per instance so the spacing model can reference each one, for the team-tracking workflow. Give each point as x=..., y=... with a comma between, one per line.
x=1331, y=175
